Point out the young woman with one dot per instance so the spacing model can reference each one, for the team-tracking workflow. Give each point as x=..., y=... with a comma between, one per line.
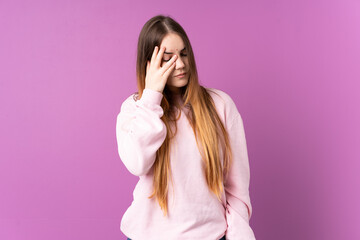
x=187, y=145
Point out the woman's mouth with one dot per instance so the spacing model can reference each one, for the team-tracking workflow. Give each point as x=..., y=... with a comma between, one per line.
x=181, y=75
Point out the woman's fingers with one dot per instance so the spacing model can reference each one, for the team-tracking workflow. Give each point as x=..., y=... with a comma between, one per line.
x=154, y=54
x=169, y=68
x=168, y=64
x=157, y=75
x=159, y=57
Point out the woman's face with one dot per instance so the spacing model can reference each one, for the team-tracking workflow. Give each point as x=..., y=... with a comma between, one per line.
x=174, y=45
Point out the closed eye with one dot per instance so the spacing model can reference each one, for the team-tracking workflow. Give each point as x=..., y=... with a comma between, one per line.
x=182, y=54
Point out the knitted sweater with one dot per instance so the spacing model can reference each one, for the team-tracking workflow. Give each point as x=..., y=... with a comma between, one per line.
x=194, y=212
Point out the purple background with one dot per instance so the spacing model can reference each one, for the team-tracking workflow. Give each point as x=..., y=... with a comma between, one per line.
x=292, y=67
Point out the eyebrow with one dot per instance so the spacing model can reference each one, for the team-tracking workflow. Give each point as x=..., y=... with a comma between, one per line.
x=172, y=53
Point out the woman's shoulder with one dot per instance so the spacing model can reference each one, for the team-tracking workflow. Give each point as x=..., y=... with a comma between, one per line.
x=221, y=97
x=224, y=103
x=218, y=95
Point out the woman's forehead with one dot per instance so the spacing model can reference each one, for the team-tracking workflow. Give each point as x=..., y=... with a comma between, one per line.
x=170, y=51
x=172, y=43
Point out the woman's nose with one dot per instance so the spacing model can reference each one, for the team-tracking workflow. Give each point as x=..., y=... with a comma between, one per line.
x=179, y=63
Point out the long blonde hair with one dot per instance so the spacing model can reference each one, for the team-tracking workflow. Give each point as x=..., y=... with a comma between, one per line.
x=208, y=128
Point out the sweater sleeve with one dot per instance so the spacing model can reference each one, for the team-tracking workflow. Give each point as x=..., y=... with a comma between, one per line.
x=238, y=206
x=140, y=132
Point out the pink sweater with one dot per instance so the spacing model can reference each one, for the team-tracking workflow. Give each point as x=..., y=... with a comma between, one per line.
x=194, y=212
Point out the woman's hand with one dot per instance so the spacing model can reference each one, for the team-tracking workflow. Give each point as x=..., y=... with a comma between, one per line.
x=157, y=75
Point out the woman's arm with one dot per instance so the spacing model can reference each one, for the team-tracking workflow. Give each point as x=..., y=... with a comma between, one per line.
x=140, y=132
x=238, y=205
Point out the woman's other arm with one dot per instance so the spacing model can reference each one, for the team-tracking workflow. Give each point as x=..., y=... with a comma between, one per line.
x=238, y=205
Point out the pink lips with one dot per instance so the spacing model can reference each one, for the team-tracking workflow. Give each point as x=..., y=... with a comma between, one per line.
x=180, y=75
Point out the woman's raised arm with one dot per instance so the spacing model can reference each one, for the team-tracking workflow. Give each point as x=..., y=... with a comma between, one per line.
x=140, y=132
